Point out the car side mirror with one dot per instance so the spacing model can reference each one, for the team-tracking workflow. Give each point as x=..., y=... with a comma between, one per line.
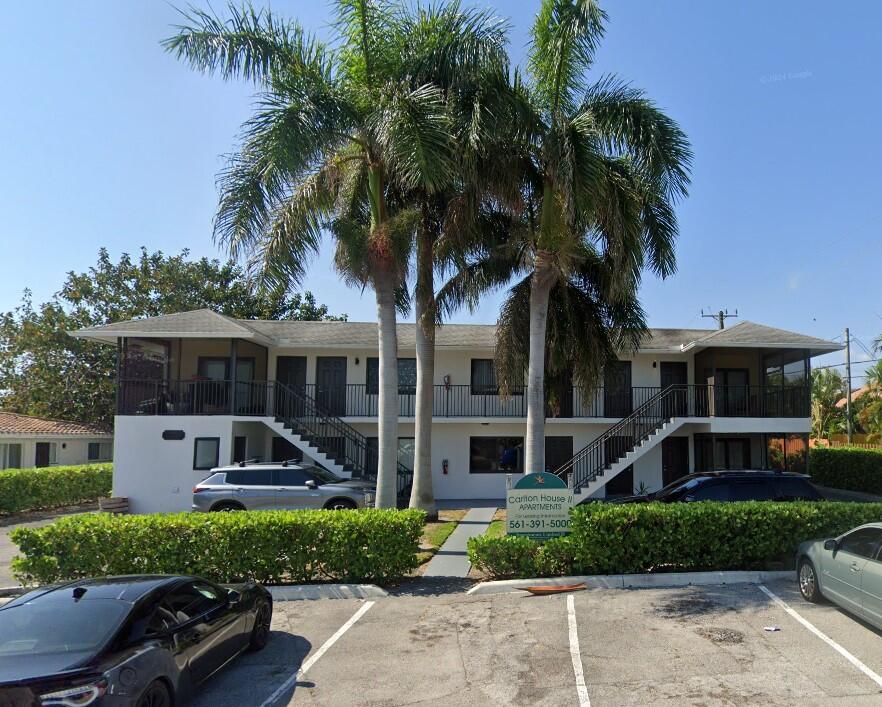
x=830, y=545
x=311, y=484
x=233, y=597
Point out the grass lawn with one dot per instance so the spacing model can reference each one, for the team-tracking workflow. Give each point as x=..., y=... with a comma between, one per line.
x=496, y=529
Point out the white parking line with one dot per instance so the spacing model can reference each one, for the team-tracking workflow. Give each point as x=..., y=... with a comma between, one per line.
x=575, y=654
x=309, y=662
x=824, y=637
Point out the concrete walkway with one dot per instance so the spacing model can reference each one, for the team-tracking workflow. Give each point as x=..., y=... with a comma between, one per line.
x=452, y=559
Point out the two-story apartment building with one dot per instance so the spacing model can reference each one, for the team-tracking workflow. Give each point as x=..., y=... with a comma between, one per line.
x=198, y=389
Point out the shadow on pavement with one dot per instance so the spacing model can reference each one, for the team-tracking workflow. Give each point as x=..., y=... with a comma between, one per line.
x=431, y=586
x=252, y=678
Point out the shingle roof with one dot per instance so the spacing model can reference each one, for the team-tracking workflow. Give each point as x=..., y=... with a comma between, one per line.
x=205, y=323
x=752, y=334
x=199, y=321
x=11, y=423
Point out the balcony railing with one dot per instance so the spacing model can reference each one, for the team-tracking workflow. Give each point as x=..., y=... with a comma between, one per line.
x=258, y=398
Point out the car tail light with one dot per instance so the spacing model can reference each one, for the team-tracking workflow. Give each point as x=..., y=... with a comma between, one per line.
x=197, y=489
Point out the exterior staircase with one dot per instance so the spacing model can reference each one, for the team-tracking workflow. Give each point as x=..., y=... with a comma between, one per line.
x=327, y=439
x=621, y=445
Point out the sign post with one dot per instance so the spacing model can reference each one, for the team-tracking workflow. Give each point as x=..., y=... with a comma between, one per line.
x=538, y=507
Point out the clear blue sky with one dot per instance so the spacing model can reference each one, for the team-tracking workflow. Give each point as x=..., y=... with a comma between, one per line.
x=107, y=141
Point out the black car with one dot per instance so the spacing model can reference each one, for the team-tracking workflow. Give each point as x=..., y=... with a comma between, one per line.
x=732, y=486
x=144, y=640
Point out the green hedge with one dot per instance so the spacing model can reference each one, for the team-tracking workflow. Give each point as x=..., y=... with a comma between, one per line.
x=651, y=537
x=266, y=546
x=52, y=486
x=847, y=468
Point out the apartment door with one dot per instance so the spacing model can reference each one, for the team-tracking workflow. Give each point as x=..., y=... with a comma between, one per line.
x=733, y=391
x=617, y=389
x=330, y=384
x=675, y=459
x=558, y=451
x=559, y=395
x=291, y=373
x=676, y=373
x=42, y=456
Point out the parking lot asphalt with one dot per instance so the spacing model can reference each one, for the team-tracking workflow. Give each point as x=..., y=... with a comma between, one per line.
x=684, y=646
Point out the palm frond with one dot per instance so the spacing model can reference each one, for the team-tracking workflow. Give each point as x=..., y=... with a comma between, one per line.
x=250, y=44
x=626, y=122
x=564, y=38
x=412, y=132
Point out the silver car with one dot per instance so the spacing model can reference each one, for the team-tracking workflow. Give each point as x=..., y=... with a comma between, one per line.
x=279, y=486
x=846, y=570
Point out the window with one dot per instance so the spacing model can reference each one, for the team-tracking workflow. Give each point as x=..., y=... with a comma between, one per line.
x=711, y=492
x=10, y=456
x=406, y=376
x=405, y=453
x=787, y=452
x=484, y=377
x=790, y=489
x=188, y=602
x=861, y=542
x=491, y=455
x=292, y=477
x=250, y=477
x=731, y=453
x=205, y=452
x=756, y=490
x=100, y=451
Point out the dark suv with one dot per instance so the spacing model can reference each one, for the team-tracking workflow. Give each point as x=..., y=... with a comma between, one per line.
x=733, y=486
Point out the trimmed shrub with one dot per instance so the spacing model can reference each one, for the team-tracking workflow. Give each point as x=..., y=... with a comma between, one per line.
x=847, y=468
x=265, y=546
x=53, y=486
x=652, y=537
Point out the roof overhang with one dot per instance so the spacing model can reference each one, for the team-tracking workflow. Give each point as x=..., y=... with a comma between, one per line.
x=813, y=349
x=111, y=337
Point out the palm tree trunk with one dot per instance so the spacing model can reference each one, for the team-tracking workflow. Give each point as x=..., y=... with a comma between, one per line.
x=387, y=419
x=534, y=445
x=422, y=495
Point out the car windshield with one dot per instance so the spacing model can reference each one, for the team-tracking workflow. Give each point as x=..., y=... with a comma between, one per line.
x=40, y=628
x=324, y=476
x=677, y=488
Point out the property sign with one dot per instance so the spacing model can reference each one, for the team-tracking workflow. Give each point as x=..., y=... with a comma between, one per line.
x=538, y=506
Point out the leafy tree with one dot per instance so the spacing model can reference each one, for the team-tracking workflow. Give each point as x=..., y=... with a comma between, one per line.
x=828, y=388
x=46, y=372
x=339, y=133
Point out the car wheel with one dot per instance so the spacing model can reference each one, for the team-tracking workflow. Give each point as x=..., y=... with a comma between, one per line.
x=226, y=508
x=808, y=581
x=156, y=695
x=260, y=632
x=341, y=504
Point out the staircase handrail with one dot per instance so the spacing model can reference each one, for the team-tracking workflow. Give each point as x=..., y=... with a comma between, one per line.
x=614, y=431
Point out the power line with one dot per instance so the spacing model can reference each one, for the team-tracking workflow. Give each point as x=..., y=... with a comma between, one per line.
x=837, y=365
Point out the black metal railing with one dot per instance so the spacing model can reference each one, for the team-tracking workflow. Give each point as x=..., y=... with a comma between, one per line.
x=623, y=437
x=223, y=397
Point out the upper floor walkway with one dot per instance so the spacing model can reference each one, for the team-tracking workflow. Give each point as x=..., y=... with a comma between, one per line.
x=259, y=398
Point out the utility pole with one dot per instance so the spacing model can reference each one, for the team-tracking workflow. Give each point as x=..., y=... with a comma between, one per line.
x=848, y=384
x=720, y=316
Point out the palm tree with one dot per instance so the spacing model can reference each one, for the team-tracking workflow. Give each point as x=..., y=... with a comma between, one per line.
x=462, y=52
x=828, y=388
x=601, y=167
x=336, y=135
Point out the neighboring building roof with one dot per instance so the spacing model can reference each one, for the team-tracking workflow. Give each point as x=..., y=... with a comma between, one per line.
x=11, y=423
x=204, y=323
x=860, y=392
